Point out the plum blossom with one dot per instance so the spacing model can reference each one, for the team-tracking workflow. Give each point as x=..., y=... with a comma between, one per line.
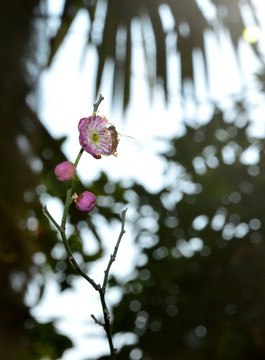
x=96, y=137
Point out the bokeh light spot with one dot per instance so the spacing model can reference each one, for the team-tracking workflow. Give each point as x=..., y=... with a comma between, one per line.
x=251, y=34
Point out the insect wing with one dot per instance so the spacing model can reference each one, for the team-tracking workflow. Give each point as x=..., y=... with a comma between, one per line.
x=128, y=139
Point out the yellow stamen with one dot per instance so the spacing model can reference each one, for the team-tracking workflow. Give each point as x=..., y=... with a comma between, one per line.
x=95, y=138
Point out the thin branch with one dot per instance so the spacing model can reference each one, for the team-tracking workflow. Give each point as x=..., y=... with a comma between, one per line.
x=96, y=105
x=113, y=256
x=71, y=258
x=78, y=157
x=74, y=263
x=47, y=213
x=106, y=314
x=66, y=206
x=102, y=291
x=97, y=321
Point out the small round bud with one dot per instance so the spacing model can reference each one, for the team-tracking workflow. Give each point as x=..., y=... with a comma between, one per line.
x=86, y=201
x=65, y=171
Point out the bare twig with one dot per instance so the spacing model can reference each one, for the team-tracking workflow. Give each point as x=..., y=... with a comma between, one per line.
x=106, y=314
x=97, y=321
x=98, y=287
x=113, y=256
x=102, y=292
x=69, y=251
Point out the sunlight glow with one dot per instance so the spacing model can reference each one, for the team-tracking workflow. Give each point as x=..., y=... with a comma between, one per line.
x=251, y=34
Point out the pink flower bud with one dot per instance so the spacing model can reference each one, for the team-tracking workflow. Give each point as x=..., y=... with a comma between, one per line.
x=65, y=171
x=86, y=201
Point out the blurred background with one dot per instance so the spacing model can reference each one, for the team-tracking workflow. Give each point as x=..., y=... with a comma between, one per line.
x=186, y=79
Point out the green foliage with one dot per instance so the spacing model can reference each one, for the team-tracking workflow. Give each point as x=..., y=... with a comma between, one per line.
x=46, y=341
x=200, y=292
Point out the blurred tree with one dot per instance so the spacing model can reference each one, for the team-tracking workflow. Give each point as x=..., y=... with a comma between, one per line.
x=165, y=29
x=28, y=156
x=199, y=291
x=24, y=237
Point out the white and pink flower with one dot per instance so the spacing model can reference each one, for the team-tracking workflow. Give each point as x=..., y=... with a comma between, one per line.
x=94, y=136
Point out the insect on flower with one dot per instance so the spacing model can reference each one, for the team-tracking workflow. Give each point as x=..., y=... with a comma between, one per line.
x=114, y=139
x=114, y=134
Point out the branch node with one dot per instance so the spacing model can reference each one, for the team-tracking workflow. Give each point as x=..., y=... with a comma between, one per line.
x=107, y=314
x=97, y=321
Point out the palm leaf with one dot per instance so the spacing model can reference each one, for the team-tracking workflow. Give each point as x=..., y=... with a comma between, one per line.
x=190, y=20
x=70, y=11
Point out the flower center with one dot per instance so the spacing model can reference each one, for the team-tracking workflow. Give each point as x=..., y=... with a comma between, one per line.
x=95, y=138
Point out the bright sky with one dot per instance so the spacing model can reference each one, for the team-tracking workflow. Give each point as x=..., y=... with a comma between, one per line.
x=65, y=97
